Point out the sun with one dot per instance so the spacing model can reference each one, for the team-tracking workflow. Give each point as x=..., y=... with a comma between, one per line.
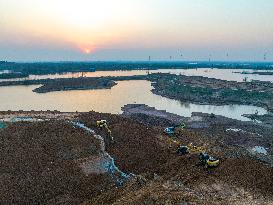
x=87, y=50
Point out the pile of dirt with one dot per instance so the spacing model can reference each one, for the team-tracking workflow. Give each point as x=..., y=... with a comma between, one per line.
x=151, y=116
x=266, y=118
x=39, y=164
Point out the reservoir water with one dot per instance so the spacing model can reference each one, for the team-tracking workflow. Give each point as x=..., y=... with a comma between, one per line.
x=223, y=74
x=110, y=101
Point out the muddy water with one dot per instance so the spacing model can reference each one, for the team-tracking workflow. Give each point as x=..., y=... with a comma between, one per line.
x=223, y=74
x=110, y=101
x=104, y=163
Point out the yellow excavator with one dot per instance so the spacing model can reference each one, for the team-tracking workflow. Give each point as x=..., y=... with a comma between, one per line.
x=204, y=158
x=208, y=161
x=190, y=148
x=103, y=124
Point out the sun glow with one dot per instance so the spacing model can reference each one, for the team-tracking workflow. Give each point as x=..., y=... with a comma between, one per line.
x=86, y=14
x=92, y=22
x=87, y=50
x=85, y=25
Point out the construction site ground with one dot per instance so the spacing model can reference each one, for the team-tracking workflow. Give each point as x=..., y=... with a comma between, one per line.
x=43, y=158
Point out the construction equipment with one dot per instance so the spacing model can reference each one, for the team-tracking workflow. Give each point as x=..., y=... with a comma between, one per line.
x=208, y=161
x=171, y=130
x=182, y=150
x=190, y=148
x=204, y=158
x=195, y=149
x=103, y=124
x=173, y=143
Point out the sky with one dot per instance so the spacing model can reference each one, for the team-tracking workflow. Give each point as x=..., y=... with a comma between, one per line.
x=90, y=30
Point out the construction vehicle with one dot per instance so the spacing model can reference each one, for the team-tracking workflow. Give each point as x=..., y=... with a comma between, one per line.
x=173, y=142
x=182, y=150
x=173, y=129
x=195, y=149
x=204, y=158
x=103, y=124
x=190, y=148
x=208, y=161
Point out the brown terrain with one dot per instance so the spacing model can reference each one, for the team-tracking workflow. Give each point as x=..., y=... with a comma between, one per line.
x=47, y=160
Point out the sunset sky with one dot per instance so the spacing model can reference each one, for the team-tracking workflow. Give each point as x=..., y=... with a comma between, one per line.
x=45, y=30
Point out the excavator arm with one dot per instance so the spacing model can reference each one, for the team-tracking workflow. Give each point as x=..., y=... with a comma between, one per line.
x=103, y=124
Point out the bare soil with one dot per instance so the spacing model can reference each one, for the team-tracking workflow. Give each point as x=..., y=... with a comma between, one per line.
x=39, y=165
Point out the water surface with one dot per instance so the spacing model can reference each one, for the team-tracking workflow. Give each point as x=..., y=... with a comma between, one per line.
x=223, y=74
x=110, y=101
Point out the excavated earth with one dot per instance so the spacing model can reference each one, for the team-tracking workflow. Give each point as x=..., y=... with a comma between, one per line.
x=40, y=162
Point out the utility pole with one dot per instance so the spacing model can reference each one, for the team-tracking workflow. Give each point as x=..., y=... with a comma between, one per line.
x=148, y=72
x=227, y=55
x=210, y=60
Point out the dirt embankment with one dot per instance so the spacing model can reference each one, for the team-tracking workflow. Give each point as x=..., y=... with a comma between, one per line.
x=205, y=90
x=40, y=165
x=267, y=118
x=156, y=117
x=143, y=149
